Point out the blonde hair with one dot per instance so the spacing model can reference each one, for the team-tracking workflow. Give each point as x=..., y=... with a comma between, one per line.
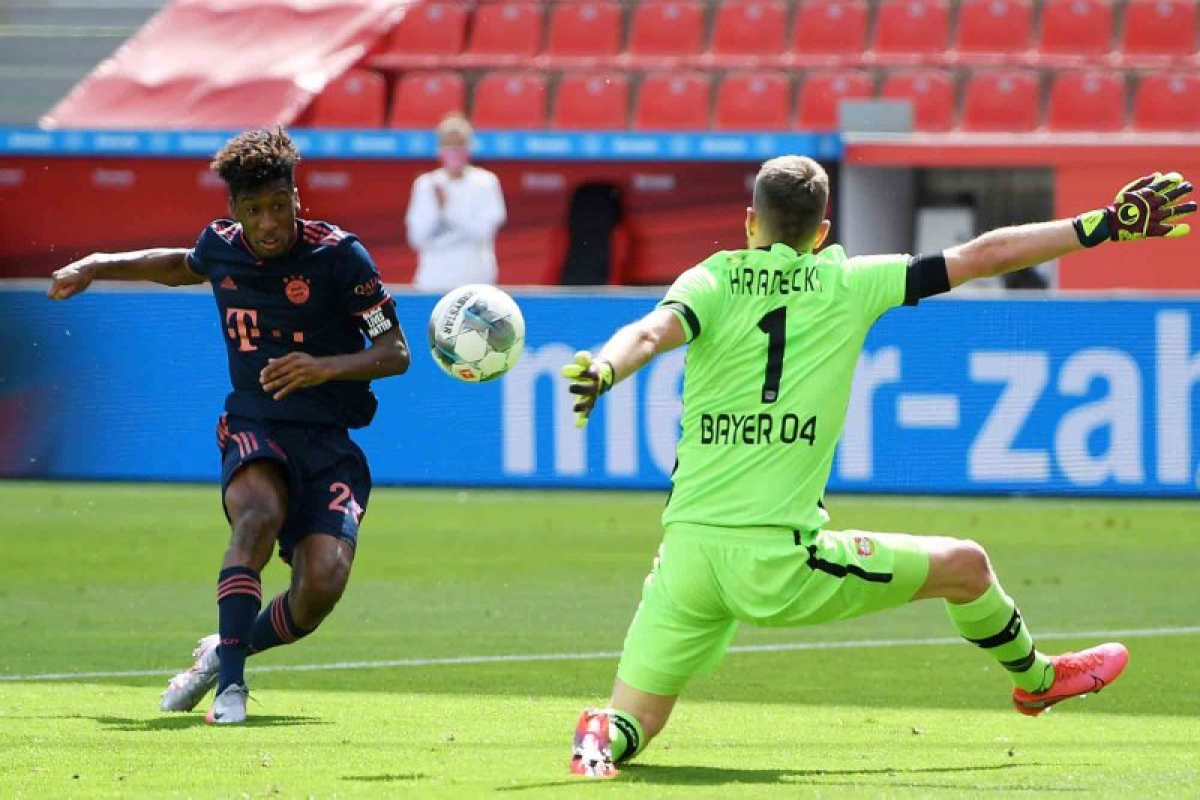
x=455, y=122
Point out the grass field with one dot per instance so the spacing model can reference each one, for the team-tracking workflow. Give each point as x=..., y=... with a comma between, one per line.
x=480, y=622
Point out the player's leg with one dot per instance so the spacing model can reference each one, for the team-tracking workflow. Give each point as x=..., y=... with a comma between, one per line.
x=961, y=574
x=320, y=539
x=256, y=499
x=320, y=570
x=681, y=630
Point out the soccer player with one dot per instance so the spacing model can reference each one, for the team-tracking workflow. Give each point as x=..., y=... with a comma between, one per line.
x=298, y=300
x=775, y=331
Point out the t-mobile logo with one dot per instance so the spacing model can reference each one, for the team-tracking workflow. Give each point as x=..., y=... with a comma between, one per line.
x=242, y=324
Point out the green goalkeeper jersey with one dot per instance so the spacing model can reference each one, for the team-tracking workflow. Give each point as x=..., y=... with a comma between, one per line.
x=774, y=339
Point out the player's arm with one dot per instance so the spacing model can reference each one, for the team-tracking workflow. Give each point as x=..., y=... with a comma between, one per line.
x=1148, y=207
x=387, y=355
x=629, y=349
x=163, y=265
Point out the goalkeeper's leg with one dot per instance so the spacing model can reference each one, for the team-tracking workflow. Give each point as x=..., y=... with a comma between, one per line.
x=961, y=574
x=608, y=737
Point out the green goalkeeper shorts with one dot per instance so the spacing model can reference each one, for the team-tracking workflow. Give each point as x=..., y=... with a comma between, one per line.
x=707, y=579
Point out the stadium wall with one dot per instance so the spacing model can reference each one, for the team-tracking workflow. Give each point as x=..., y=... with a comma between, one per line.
x=1065, y=396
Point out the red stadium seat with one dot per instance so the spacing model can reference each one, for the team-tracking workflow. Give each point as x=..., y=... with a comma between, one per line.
x=666, y=28
x=749, y=28
x=994, y=27
x=1167, y=102
x=505, y=32
x=753, y=101
x=830, y=27
x=817, y=104
x=590, y=28
x=355, y=100
x=1001, y=100
x=1159, y=28
x=596, y=102
x=421, y=99
x=931, y=92
x=1076, y=28
x=912, y=27
x=430, y=29
x=1092, y=100
x=673, y=101
x=510, y=100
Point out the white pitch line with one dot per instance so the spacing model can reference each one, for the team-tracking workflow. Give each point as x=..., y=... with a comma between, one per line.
x=516, y=658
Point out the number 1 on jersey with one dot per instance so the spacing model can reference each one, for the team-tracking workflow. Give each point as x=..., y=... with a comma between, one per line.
x=774, y=325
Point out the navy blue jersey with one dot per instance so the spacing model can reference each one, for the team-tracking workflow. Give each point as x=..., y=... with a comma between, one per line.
x=312, y=299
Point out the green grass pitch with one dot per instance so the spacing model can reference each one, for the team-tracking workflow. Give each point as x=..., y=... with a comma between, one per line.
x=120, y=579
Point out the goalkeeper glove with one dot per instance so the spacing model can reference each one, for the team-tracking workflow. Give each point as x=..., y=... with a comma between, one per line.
x=589, y=379
x=1144, y=208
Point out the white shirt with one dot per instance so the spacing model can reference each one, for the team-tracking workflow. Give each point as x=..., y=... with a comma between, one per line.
x=456, y=242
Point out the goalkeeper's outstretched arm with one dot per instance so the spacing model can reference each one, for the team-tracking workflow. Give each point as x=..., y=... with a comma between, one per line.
x=629, y=349
x=1146, y=208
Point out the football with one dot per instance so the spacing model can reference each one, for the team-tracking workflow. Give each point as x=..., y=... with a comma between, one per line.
x=476, y=333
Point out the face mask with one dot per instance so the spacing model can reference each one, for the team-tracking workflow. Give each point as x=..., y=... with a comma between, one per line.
x=454, y=158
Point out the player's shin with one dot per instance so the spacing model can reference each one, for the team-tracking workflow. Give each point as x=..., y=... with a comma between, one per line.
x=276, y=626
x=626, y=736
x=993, y=623
x=239, y=595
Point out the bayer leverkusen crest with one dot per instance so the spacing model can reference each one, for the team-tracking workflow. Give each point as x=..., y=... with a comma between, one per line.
x=864, y=545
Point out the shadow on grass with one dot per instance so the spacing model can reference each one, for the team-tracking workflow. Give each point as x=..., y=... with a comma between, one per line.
x=393, y=778
x=721, y=776
x=177, y=722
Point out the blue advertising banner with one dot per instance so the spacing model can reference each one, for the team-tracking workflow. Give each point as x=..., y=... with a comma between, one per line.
x=489, y=145
x=1052, y=396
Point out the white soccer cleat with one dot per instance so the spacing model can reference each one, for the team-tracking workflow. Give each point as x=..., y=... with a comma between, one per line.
x=229, y=707
x=187, y=689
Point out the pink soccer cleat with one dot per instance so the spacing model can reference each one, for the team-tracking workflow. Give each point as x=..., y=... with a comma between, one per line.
x=1075, y=674
x=591, y=757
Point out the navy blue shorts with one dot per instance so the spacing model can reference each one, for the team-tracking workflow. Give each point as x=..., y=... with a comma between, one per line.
x=329, y=481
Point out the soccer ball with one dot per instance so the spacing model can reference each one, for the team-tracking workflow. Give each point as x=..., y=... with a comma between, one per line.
x=476, y=333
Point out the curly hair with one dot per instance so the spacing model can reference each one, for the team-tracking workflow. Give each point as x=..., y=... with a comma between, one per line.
x=254, y=158
x=790, y=194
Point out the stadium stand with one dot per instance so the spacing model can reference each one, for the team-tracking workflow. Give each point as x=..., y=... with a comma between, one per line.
x=1087, y=100
x=821, y=91
x=426, y=35
x=993, y=31
x=748, y=30
x=1074, y=29
x=753, y=101
x=829, y=27
x=665, y=28
x=1167, y=102
x=275, y=55
x=1000, y=52
x=584, y=30
x=1157, y=31
x=504, y=34
x=420, y=99
x=906, y=30
x=1001, y=100
x=598, y=102
x=510, y=100
x=358, y=99
x=673, y=101
x=931, y=92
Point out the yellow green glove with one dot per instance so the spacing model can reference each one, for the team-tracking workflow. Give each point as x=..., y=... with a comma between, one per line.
x=1143, y=208
x=589, y=379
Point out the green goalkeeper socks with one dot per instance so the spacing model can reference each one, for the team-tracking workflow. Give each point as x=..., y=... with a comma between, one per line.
x=992, y=622
x=626, y=736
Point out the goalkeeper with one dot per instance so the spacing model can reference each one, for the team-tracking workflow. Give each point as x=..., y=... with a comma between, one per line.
x=775, y=331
